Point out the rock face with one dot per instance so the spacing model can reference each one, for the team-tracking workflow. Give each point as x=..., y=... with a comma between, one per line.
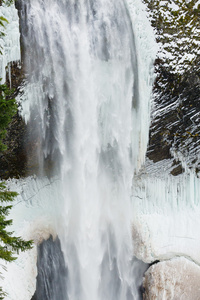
x=174, y=131
x=169, y=211
x=176, y=279
x=175, y=128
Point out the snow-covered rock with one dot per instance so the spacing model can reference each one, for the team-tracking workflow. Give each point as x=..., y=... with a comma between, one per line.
x=176, y=279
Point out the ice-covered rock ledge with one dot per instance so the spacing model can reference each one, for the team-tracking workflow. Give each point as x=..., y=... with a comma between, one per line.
x=175, y=279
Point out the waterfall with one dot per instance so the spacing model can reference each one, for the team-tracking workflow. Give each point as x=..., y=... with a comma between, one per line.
x=84, y=107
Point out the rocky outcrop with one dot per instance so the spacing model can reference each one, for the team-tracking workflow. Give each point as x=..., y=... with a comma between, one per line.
x=175, y=279
x=174, y=131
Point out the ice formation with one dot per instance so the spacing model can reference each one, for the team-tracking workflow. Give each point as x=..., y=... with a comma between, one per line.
x=166, y=216
x=10, y=42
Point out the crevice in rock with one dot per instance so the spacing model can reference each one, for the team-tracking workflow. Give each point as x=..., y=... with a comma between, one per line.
x=154, y=263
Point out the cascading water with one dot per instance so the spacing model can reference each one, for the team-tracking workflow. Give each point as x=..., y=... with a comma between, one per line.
x=83, y=90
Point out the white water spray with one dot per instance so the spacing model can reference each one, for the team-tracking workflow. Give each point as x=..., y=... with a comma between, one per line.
x=84, y=111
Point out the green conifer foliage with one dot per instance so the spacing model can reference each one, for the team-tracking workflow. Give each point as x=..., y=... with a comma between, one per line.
x=8, y=108
x=9, y=245
x=177, y=28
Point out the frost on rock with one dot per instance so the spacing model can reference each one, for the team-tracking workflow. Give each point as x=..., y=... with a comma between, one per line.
x=10, y=40
x=176, y=279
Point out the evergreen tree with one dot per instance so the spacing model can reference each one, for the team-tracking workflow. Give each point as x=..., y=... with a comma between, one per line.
x=8, y=108
x=10, y=245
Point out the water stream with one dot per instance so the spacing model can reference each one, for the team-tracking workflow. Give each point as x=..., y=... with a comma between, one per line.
x=84, y=113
